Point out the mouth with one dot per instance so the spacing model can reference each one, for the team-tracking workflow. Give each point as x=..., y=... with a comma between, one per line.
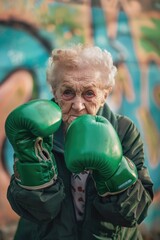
x=71, y=119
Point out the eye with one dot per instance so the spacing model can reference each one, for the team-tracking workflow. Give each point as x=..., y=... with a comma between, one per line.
x=89, y=94
x=68, y=94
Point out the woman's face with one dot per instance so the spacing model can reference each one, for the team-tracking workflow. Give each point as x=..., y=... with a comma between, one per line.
x=79, y=92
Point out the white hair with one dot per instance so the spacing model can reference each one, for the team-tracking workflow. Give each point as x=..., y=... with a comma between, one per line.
x=80, y=57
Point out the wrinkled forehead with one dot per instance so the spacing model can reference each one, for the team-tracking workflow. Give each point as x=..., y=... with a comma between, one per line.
x=81, y=79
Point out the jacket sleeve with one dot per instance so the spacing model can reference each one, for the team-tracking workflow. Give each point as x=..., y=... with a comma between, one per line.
x=129, y=207
x=37, y=205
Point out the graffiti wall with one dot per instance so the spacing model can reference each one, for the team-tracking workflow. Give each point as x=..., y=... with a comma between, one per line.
x=129, y=29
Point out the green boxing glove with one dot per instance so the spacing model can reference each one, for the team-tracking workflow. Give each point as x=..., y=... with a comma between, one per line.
x=92, y=143
x=30, y=129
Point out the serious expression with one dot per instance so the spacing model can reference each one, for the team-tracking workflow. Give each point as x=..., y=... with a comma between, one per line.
x=79, y=92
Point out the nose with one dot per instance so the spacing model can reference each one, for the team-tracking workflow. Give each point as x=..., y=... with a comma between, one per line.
x=78, y=103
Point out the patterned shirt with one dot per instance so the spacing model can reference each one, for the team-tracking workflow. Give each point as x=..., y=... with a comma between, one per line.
x=78, y=183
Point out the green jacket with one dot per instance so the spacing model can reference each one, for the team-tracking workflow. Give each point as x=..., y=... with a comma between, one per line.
x=48, y=214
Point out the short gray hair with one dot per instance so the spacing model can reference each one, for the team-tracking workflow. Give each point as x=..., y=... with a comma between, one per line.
x=78, y=57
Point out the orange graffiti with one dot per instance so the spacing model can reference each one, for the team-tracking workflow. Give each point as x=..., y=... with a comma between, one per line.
x=14, y=91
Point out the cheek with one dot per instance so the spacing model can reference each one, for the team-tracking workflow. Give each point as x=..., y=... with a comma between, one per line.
x=65, y=106
x=93, y=106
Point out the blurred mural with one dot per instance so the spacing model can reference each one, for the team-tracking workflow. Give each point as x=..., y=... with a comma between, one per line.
x=129, y=29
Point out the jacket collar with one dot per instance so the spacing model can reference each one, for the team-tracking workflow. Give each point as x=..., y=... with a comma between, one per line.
x=106, y=112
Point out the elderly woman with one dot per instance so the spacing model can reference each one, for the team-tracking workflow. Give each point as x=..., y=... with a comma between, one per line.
x=88, y=182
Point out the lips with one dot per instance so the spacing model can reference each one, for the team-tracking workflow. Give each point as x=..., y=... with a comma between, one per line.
x=71, y=118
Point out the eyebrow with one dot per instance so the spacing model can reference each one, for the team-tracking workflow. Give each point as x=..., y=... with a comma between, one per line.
x=69, y=85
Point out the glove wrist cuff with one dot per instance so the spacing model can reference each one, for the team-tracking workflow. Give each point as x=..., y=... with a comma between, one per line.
x=45, y=185
x=125, y=176
x=35, y=175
